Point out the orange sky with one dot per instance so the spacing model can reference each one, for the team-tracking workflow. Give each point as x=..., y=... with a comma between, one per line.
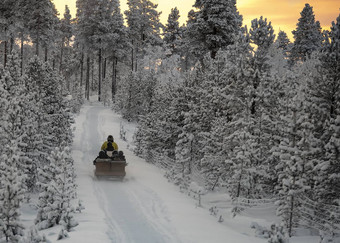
x=283, y=14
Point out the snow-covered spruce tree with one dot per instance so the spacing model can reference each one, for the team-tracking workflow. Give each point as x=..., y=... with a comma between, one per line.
x=19, y=121
x=283, y=43
x=159, y=128
x=291, y=167
x=58, y=190
x=7, y=26
x=197, y=118
x=92, y=31
x=50, y=121
x=54, y=117
x=144, y=28
x=231, y=71
x=325, y=90
x=11, y=194
x=42, y=22
x=308, y=36
x=216, y=26
x=11, y=188
x=108, y=29
x=173, y=33
x=66, y=31
x=136, y=90
x=189, y=57
x=77, y=98
x=106, y=96
x=119, y=36
x=127, y=95
x=263, y=108
x=299, y=147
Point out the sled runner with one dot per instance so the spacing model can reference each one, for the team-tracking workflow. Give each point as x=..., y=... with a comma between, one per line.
x=111, y=165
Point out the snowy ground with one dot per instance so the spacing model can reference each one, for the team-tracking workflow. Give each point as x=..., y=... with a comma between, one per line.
x=145, y=207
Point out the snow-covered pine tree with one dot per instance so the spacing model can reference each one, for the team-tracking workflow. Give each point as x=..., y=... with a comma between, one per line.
x=299, y=148
x=291, y=171
x=18, y=119
x=216, y=25
x=42, y=22
x=85, y=29
x=58, y=191
x=283, y=43
x=77, y=98
x=188, y=53
x=231, y=76
x=49, y=116
x=325, y=90
x=11, y=194
x=172, y=32
x=137, y=88
x=7, y=26
x=143, y=27
x=158, y=130
x=118, y=35
x=54, y=116
x=184, y=156
x=263, y=108
x=308, y=36
x=66, y=30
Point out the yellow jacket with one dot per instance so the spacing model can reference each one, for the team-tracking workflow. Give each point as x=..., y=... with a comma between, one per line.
x=104, y=146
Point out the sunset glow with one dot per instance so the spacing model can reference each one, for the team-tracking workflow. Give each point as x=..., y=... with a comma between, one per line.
x=283, y=14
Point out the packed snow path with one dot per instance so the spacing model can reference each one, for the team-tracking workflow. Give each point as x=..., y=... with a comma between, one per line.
x=144, y=208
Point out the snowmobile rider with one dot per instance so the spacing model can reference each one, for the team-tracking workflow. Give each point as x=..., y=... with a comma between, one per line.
x=107, y=145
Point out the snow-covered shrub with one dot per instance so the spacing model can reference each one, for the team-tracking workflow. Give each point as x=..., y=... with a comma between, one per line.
x=260, y=231
x=33, y=236
x=62, y=234
x=277, y=235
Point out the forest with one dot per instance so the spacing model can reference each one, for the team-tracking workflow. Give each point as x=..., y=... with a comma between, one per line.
x=255, y=114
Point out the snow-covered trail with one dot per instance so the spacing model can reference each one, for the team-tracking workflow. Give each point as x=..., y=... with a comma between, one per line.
x=142, y=208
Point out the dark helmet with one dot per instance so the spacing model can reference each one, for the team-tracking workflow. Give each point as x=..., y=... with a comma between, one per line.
x=110, y=138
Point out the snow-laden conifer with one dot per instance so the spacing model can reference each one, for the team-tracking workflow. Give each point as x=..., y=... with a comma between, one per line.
x=12, y=192
x=58, y=191
x=307, y=36
x=216, y=26
x=172, y=32
x=283, y=43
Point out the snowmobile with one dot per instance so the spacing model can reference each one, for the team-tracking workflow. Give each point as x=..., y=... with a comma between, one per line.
x=110, y=164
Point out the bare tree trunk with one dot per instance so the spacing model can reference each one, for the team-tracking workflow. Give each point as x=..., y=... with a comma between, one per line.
x=136, y=53
x=5, y=53
x=104, y=69
x=99, y=73
x=46, y=52
x=92, y=75
x=37, y=46
x=87, y=85
x=12, y=44
x=114, y=77
x=61, y=57
x=81, y=68
x=22, y=55
x=132, y=58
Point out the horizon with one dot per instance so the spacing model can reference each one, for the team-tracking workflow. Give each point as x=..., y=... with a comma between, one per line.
x=283, y=15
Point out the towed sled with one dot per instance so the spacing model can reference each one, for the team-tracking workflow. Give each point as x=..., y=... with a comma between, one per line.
x=110, y=164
